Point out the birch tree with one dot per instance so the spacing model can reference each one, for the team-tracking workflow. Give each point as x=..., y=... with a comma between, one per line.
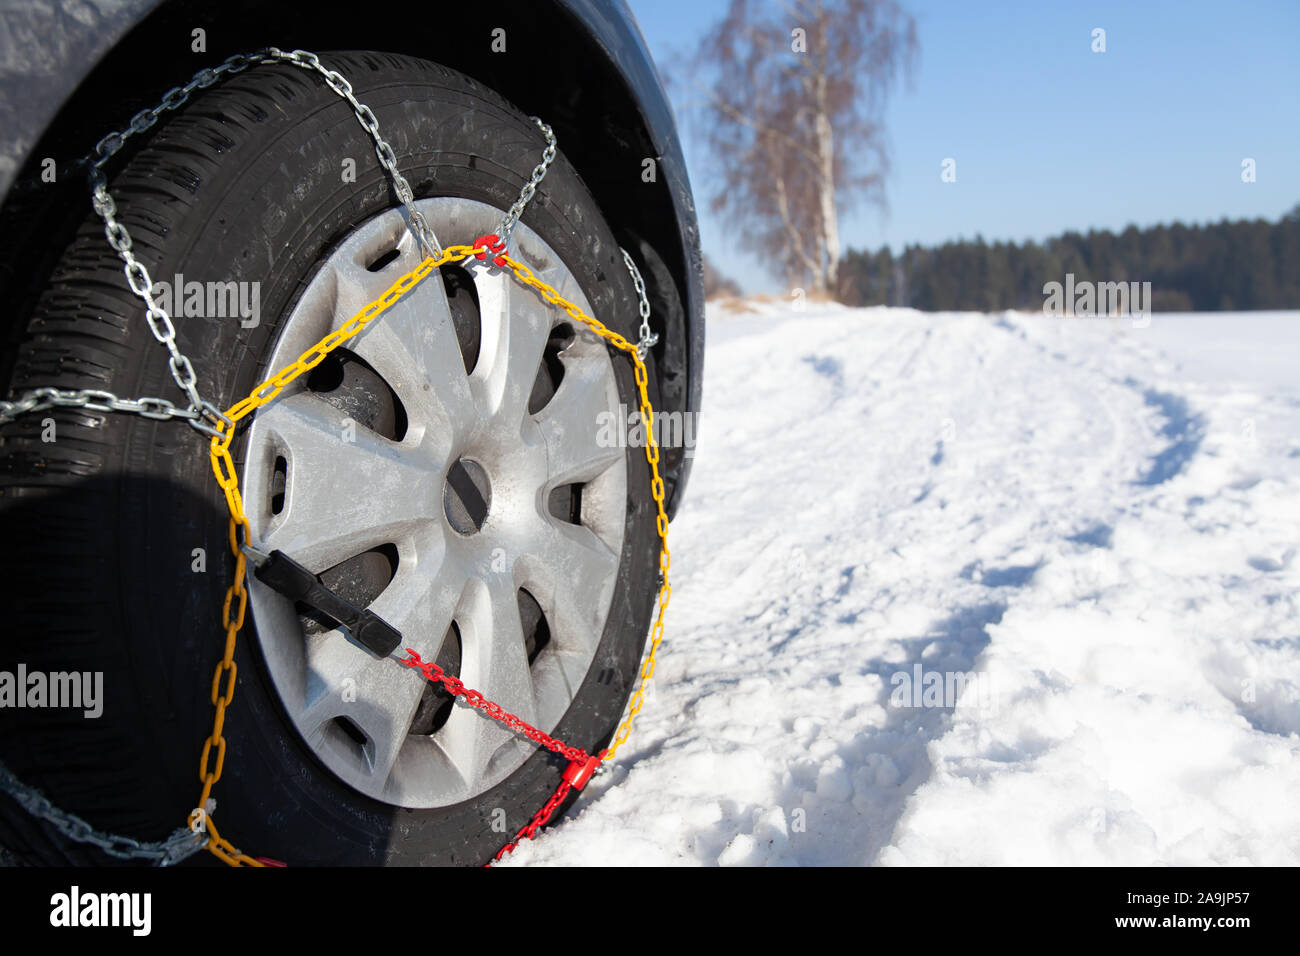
x=791, y=111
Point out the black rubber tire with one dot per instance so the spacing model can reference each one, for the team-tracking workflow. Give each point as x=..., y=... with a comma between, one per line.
x=101, y=525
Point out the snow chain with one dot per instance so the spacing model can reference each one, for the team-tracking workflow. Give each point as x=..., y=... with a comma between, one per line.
x=221, y=426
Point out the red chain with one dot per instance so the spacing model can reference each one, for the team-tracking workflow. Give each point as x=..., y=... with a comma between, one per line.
x=456, y=688
x=581, y=764
x=538, y=821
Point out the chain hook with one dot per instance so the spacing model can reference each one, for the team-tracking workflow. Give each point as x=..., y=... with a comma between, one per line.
x=490, y=243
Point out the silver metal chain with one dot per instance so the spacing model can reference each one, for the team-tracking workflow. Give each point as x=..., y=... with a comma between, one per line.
x=173, y=99
x=646, y=339
x=160, y=324
x=365, y=116
x=201, y=414
x=94, y=400
x=177, y=96
x=182, y=843
x=507, y=227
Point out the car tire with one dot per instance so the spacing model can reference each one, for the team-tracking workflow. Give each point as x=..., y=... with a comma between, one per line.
x=118, y=560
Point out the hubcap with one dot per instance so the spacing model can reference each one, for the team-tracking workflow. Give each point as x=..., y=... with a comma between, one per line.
x=446, y=470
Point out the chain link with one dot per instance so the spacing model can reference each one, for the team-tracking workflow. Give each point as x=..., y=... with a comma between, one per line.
x=539, y=820
x=456, y=687
x=182, y=843
x=156, y=317
x=387, y=158
x=201, y=414
x=645, y=338
x=94, y=400
x=173, y=99
x=507, y=227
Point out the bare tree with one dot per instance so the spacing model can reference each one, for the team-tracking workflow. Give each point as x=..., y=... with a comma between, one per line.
x=791, y=112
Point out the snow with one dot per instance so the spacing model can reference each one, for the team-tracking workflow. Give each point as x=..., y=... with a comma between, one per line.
x=975, y=589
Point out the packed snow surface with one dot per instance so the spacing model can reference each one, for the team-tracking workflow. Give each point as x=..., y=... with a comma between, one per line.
x=975, y=589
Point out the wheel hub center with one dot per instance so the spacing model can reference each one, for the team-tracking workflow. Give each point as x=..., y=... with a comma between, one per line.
x=466, y=496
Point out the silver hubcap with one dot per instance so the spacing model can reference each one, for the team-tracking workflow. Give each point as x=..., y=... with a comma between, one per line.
x=478, y=512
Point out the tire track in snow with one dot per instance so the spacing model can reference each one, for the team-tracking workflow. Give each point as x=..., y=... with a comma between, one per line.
x=1154, y=697
x=825, y=548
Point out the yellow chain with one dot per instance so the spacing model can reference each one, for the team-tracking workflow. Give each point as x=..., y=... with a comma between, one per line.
x=526, y=277
x=223, y=466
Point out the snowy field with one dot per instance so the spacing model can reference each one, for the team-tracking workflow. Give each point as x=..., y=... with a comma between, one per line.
x=975, y=589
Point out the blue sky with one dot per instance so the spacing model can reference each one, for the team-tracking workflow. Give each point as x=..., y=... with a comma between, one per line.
x=1049, y=136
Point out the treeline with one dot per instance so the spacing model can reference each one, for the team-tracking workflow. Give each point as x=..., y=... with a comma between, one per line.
x=1249, y=264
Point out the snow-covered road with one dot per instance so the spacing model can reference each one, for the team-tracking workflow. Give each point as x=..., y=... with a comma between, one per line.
x=975, y=589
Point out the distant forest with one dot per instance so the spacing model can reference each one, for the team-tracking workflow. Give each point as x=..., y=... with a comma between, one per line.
x=1249, y=264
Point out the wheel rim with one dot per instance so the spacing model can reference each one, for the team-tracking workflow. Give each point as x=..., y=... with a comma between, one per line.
x=450, y=461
